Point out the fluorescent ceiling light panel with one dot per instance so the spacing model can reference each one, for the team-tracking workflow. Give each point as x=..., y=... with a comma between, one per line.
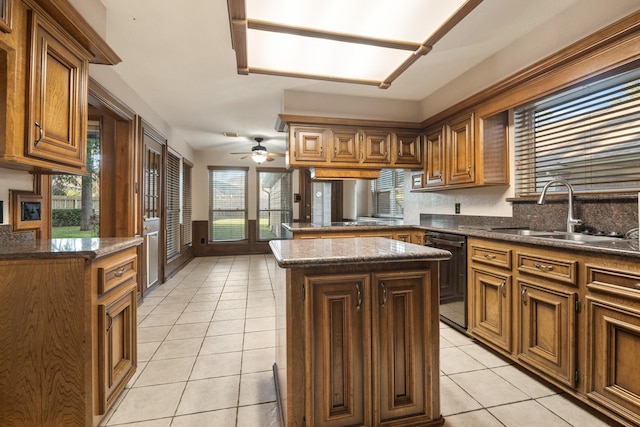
x=359, y=41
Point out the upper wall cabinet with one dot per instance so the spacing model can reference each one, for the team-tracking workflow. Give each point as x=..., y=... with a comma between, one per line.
x=44, y=72
x=57, y=99
x=466, y=151
x=354, y=147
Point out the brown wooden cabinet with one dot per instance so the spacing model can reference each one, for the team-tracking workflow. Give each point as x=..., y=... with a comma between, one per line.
x=490, y=301
x=116, y=319
x=460, y=149
x=68, y=348
x=356, y=147
x=613, y=336
x=44, y=78
x=358, y=344
x=467, y=150
x=339, y=356
x=574, y=318
x=57, y=103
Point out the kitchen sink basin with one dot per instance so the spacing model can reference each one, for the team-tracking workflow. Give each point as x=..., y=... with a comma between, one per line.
x=559, y=235
x=521, y=232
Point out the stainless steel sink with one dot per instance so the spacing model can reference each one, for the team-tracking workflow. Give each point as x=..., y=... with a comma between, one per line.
x=520, y=231
x=559, y=235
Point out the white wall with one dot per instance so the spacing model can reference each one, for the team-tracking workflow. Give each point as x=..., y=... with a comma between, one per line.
x=205, y=158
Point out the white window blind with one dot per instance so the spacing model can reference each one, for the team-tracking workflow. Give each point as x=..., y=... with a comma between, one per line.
x=274, y=203
x=587, y=135
x=388, y=193
x=173, y=205
x=187, y=238
x=227, y=204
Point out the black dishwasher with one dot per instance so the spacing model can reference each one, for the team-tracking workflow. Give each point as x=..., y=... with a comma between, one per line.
x=453, y=277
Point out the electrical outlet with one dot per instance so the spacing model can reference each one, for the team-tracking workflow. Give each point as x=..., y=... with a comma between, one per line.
x=457, y=207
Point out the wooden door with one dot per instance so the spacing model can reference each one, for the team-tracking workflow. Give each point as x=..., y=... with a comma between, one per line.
x=435, y=160
x=153, y=207
x=490, y=305
x=547, y=339
x=399, y=346
x=337, y=350
x=57, y=113
x=117, y=355
x=460, y=151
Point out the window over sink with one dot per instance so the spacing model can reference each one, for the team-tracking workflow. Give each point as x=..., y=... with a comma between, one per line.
x=587, y=134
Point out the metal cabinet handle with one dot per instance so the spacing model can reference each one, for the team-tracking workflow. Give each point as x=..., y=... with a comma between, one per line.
x=489, y=256
x=503, y=288
x=384, y=294
x=637, y=285
x=542, y=266
x=120, y=272
x=109, y=322
x=523, y=296
x=40, y=134
x=359, y=296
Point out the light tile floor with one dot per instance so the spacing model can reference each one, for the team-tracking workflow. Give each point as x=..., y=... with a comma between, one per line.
x=206, y=349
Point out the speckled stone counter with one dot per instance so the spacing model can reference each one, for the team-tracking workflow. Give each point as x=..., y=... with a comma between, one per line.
x=63, y=248
x=319, y=252
x=357, y=331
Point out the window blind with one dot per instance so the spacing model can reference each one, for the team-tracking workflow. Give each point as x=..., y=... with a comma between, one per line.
x=187, y=216
x=587, y=135
x=227, y=204
x=388, y=193
x=173, y=205
x=274, y=203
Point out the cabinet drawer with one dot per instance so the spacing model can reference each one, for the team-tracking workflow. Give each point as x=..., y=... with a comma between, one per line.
x=115, y=274
x=557, y=269
x=598, y=276
x=494, y=256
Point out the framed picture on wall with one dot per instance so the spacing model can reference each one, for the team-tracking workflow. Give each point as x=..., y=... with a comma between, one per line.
x=25, y=210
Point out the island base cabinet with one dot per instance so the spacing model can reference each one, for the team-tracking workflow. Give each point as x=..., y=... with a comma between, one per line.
x=371, y=346
x=614, y=345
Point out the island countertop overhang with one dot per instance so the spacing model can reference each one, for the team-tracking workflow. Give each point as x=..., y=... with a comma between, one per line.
x=325, y=252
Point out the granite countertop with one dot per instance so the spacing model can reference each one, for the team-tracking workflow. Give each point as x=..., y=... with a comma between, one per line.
x=64, y=248
x=319, y=252
x=621, y=247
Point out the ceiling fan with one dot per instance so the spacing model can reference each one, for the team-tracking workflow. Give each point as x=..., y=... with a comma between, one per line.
x=259, y=153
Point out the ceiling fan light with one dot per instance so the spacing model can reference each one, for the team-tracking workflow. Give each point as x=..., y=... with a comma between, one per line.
x=259, y=156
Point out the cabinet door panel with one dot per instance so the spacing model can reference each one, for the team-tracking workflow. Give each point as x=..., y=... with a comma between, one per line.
x=490, y=316
x=399, y=345
x=407, y=150
x=613, y=348
x=461, y=152
x=308, y=144
x=338, y=343
x=345, y=146
x=434, y=165
x=548, y=331
x=117, y=343
x=376, y=147
x=57, y=119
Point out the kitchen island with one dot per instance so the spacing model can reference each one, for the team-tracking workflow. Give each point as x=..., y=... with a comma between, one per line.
x=357, y=332
x=67, y=328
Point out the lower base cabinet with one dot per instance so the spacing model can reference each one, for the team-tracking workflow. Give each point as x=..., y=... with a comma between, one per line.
x=67, y=336
x=572, y=317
